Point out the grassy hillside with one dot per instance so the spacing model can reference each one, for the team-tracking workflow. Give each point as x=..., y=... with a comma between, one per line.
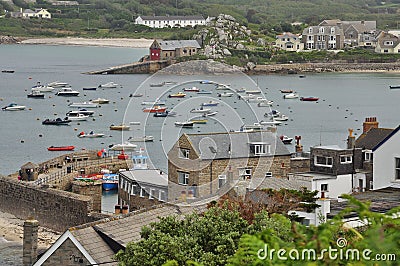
x=110, y=18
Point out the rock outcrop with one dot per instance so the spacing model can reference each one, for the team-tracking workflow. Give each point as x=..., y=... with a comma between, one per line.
x=200, y=67
x=9, y=40
x=223, y=34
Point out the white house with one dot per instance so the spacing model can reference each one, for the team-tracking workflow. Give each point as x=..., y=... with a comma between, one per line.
x=38, y=13
x=170, y=21
x=386, y=162
x=289, y=42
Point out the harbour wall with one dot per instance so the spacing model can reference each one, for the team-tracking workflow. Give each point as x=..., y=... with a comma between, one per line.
x=146, y=67
x=55, y=209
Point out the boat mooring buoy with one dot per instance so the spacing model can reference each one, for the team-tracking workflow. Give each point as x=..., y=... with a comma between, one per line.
x=22, y=141
x=75, y=129
x=40, y=135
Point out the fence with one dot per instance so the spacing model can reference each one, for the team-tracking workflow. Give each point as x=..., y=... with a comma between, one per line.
x=75, y=166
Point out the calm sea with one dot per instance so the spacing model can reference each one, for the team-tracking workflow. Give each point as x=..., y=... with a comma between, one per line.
x=345, y=101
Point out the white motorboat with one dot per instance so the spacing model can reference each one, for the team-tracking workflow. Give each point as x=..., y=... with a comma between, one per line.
x=100, y=101
x=110, y=85
x=210, y=103
x=188, y=124
x=269, y=123
x=42, y=88
x=253, y=127
x=58, y=84
x=281, y=117
x=13, y=107
x=225, y=94
x=265, y=103
x=246, y=97
x=241, y=90
x=273, y=113
x=75, y=116
x=82, y=111
x=141, y=139
x=258, y=99
x=223, y=87
x=35, y=93
x=201, y=110
x=84, y=105
x=126, y=146
x=286, y=139
x=291, y=96
x=91, y=134
x=210, y=114
x=253, y=92
x=121, y=127
x=156, y=102
x=67, y=92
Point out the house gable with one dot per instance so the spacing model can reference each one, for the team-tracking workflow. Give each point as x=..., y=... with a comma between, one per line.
x=66, y=248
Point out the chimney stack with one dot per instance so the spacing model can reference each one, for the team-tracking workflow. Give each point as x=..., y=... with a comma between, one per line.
x=351, y=139
x=30, y=242
x=299, y=147
x=370, y=122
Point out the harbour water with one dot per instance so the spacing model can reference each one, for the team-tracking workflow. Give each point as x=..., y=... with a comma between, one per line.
x=345, y=100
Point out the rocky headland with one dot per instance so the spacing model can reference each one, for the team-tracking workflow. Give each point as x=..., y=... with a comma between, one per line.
x=9, y=40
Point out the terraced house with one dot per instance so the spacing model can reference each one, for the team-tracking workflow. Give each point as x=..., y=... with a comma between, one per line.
x=323, y=38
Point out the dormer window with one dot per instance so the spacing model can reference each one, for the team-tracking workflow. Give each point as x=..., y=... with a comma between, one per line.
x=388, y=43
x=321, y=30
x=323, y=161
x=345, y=159
x=367, y=155
x=310, y=30
x=260, y=148
x=332, y=30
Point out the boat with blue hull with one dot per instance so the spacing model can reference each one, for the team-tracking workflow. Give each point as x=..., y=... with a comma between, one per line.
x=110, y=182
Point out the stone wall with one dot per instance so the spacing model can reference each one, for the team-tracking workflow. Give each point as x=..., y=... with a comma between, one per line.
x=91, y=189
x=135, y=68
x=67, y=254
x=300, y=164
x=53, y=208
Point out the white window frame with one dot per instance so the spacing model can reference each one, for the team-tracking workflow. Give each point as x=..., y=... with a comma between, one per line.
x=346, y=159
x=326, y=158
x=397, y=168
x=185, y=180
x=184, y=153
x=245, y=172
x=221, y=178
x=368, y=156
x=323, y=188
x=142, y=192
x=161, y=195
x=133, y=189
x=151, y=194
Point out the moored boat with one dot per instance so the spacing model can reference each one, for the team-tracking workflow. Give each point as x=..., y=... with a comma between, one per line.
x=126, y=146
x=36, y=94
x=394, y=86
x=286, y=91
x=186, y=124
x=204, y=92
x=201, y=110
x=84, y=105
x=141, y=139
x=89, y=88
x=82, y=111
x=199, y=121
x=210, y=114
x=58, y=84
x=68, y=92
x=57, y=121
x=210, y=103
x=286, y=139
x=100, y=101
x=177, y=95
x=164, y=114
x=309, y=99
x=156, y=102
x=110, y=85
x=91, y=134
x=61, y=148
x=192, y=89
x=157, y=84
x=42, y=88
x=281, y=117
x=7, y=71
x=110, y=182
x=265, y=103
x=120, y=127
x=155, y=109
x=13, y=107
x=225, y=94
x=291, y=96
x=76, y=116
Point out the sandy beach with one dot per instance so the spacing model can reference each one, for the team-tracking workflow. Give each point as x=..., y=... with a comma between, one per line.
x=11, y=229
x=117, y=42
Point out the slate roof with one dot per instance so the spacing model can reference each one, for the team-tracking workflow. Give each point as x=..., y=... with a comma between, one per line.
x=382, y=200
x=279, y=183
x=372, y=138
x=234, y=144
x=148, y=176
x=101, y=237
x=175, y=44
x=327, y=30
x=29, y=165
x=197, y=17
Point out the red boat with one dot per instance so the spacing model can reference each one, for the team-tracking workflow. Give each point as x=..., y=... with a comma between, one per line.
x=61, y=148
x=309, y=99
x=155, y=109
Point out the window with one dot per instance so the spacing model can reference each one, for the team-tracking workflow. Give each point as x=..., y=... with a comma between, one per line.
x=184, y=153
x=388, y=43
x=397, y=168
x=151, y=195
x=245, y=172
x=268, y=174
x=319, y=38
x=143, y=192
x=344, y=159
x=183, y=178
x=386, y=51
x=310, y=30
x=310, y=38
x=321, y=30
x=367, y=156
x=221, y=181
x=135, y=189
x=332, y=30
x=161, y=195
x=323, y=161
x=260, y=148
x=324, y=187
